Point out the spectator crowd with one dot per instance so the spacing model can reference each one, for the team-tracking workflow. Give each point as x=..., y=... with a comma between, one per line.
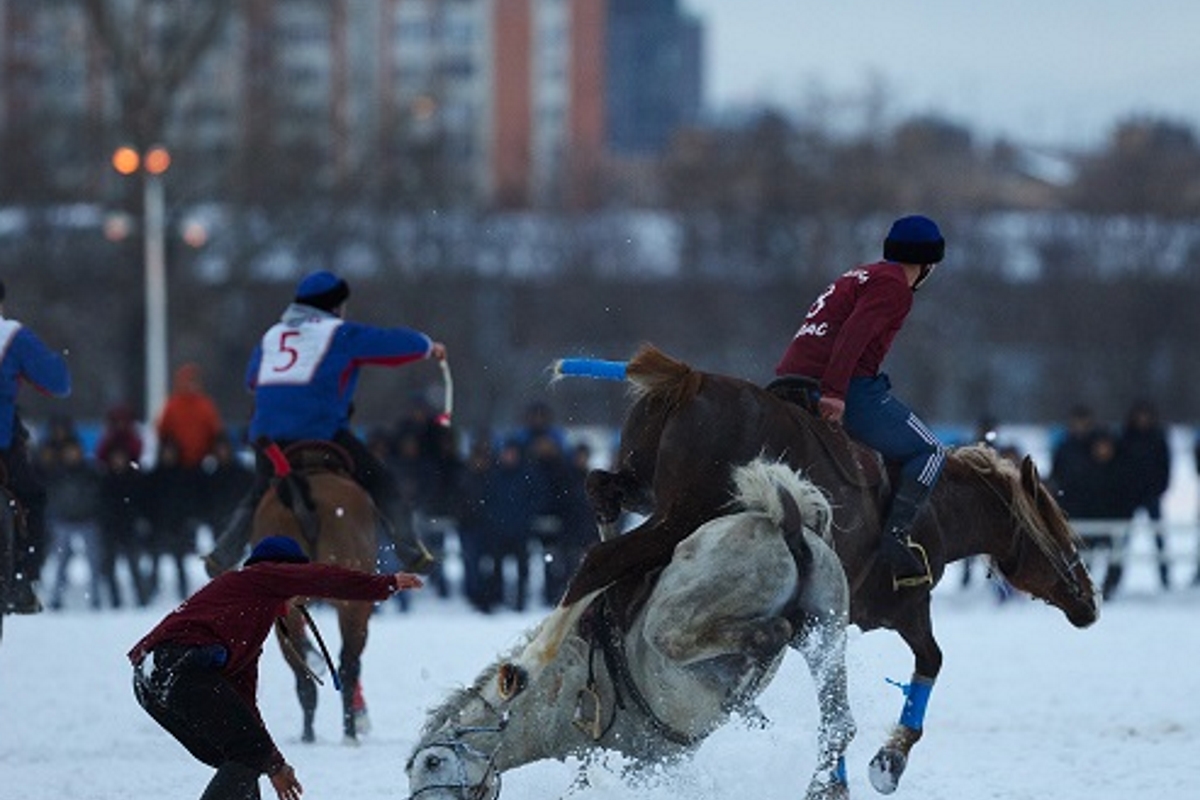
x=1112, y=474
x=127, y=521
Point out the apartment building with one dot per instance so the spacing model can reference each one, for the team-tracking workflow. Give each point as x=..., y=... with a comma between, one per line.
x=505, y=103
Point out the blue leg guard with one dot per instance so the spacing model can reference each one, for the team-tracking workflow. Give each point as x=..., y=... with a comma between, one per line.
x=838, y=775
x=916, y=698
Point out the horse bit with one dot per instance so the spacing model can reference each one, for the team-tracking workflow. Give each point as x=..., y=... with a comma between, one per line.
x=480, y=790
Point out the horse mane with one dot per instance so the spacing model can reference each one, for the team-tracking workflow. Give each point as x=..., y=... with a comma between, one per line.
x=444, y=713
x=1003, y=477
x=655, y=374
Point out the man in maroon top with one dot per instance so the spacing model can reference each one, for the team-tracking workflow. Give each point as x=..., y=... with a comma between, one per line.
x=842, y=343
x=196, y=672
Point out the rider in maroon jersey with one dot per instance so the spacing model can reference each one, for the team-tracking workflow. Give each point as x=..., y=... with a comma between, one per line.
x=842, y=343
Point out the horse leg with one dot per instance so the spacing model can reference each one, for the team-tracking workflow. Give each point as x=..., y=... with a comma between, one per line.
x=294, y=647
x=352, y=623
x=889, y=763
x=740, y=610
x=610, y=493
x=824, y=601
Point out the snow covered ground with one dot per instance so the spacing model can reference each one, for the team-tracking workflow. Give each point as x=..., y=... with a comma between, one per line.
x=1027, y=707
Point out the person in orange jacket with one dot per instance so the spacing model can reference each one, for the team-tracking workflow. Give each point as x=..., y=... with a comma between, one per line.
x=190, y=418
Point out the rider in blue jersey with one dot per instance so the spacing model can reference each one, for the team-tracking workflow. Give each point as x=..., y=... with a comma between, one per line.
x=23, y=357
x=303, y=374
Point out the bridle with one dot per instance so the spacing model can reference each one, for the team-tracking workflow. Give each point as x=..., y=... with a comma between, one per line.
x=1065, y=567
x=488, y=785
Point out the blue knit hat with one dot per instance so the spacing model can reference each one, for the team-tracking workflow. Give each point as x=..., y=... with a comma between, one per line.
x=323, y=290
x=277, y=548
x=914, y=240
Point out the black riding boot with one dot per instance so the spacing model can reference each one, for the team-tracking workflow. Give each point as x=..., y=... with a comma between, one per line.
x=410, y=551
x=896, y=549
x=231, y=544
x=24, y=599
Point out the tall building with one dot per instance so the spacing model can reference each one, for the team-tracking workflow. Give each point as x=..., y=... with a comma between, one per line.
x=509, y=103
x=653, y=69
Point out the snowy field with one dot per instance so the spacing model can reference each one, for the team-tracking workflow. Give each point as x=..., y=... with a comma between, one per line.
x=1027, y=707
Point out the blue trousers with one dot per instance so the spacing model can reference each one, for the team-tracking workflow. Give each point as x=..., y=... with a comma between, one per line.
x=877, y=419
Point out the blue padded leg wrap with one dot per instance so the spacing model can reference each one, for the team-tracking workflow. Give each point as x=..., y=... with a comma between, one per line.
x=916, y=698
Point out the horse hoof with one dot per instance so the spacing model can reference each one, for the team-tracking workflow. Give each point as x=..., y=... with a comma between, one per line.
x=886, y=768
x=308, y=737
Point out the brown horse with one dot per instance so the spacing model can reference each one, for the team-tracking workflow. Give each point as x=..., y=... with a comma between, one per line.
x=335, y=521
x=687, y=427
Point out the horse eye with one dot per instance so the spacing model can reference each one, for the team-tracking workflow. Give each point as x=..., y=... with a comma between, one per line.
x=432, y=762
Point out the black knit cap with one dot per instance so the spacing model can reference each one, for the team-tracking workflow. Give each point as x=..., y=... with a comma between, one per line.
x=322, y=290
x=914, y=240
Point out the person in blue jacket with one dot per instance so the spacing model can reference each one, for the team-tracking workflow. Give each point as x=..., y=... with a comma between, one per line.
x=23, y=357
x=303, y=374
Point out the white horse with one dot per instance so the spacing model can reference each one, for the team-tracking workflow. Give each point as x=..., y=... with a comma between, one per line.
x=705, y=643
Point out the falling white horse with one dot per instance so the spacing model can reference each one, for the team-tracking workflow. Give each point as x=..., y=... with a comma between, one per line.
x=704, y=644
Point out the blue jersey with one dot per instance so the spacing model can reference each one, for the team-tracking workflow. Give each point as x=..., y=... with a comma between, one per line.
x=23, y=356
x=304, y=371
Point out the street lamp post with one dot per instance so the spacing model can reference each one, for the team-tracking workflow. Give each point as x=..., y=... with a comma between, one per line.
x=128, y=161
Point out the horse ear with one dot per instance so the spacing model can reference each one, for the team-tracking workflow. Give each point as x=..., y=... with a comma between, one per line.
x=1029, y=476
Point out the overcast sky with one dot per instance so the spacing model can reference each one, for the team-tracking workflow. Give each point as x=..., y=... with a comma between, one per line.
x=1052, y=71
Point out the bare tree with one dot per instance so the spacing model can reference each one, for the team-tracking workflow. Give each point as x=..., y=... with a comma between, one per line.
x=153, y=46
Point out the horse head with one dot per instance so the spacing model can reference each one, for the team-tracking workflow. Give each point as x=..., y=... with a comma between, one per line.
x=456, y=757
x=1044, y=558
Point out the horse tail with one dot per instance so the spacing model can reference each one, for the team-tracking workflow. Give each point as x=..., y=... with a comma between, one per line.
x=786, y=497
x=651, y=373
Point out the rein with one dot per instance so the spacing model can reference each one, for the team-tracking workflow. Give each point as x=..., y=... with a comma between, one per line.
x=617, y=663
x=480, y=790
x=291, y=645
x=1063, y=567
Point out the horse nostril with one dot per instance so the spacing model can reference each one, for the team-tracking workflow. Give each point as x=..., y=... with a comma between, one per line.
x=432, y=763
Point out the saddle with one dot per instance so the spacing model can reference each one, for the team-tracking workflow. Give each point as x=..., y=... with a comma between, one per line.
x=313, y=455
x=292, y=465
x=858, y=464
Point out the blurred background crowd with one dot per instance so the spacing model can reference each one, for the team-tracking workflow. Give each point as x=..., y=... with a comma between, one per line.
x=128, y=511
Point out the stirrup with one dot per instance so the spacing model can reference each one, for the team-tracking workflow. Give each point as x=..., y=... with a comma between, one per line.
x=913, y=581
x=586, y=716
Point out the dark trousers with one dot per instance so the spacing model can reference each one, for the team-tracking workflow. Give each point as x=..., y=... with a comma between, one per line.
x=196, y=704
x=27, y=487
x=875, y=417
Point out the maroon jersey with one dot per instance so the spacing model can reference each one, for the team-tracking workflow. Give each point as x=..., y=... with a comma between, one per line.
x=850, y=327
x=237, y=609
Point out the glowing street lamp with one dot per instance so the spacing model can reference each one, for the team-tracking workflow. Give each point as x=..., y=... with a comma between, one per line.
x=128, y=161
